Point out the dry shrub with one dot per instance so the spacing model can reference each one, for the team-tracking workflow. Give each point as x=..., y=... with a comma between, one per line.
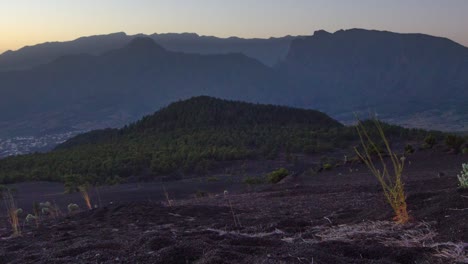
x=12, y=212
x=84, y=190
x=390, y=180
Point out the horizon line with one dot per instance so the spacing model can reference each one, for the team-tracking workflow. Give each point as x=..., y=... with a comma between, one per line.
x=221, y=37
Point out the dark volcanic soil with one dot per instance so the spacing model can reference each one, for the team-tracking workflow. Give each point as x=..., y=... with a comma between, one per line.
x=338, y=216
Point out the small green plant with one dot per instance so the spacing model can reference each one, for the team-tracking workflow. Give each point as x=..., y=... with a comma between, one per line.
x=277, y=175
x=327, y=166
x=463, y=176
x=252, y=180
x=391, y=181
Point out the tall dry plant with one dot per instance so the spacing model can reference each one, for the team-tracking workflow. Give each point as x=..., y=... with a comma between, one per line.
x=166, y=194
x=12, y=212
x=85, y=194
x=389, y=178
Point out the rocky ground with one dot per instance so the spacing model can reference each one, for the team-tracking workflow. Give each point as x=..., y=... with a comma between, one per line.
x=338, y=216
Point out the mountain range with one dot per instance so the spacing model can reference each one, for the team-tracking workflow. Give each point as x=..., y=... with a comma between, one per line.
x=107, y=81
x=268, y=51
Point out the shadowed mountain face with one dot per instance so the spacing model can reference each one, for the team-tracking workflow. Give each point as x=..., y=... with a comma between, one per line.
x=397, y=75
x=268, y=51
x=86, y=92
x=410, y=79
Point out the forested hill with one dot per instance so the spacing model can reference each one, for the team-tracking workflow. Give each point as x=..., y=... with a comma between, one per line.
x=191, y=136
x=206, y=112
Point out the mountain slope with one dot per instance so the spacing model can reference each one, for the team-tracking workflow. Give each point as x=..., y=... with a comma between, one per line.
x=85, y=92
x=190, y=136
x=268, y=51
x=410, y=79
x=396, y=75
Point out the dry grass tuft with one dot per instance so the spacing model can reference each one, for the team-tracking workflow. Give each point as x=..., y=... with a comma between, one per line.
x=12, y=212
x=166, y=194
x=418, y=235
x=458, y=252
x=391, y=181
x=84, y=190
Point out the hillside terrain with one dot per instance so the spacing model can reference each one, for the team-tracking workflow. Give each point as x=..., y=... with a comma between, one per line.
x=85, y=92
x=193, y=137
x=336, y=216
x=412, y=80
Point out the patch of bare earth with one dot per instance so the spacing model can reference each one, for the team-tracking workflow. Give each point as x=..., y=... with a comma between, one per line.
x=307, y=220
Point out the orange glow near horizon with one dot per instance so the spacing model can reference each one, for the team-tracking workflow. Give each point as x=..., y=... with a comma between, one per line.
x=29, y=22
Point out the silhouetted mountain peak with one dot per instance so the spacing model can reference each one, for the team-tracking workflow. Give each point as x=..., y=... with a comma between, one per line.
x=7, y=52
x=321, y=33
x=144, y=44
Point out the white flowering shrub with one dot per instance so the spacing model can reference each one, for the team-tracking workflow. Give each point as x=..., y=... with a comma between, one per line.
x=30, y=218
x=73, y=208
x=463, y=177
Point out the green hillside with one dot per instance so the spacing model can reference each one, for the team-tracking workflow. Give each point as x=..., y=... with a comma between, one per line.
x=190, y=136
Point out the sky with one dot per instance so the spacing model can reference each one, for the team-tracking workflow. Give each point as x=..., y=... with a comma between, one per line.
x=28, y=22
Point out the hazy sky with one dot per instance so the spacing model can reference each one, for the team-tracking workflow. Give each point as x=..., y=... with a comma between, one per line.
x=26, y=22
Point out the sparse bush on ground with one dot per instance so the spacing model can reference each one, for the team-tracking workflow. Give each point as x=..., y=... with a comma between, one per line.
x=73, y=208
x=310, y=172
x=212, y=179
x=454, y=142
x=201, y=194
x=48, y=209
x=277, y=175
x=252, y=180
x=30, y=218
x=463, y=176
x=465, y=151
x=409, y=149
x=429, y=141
x=391, y=182
x=328, y=163
x=327, y=166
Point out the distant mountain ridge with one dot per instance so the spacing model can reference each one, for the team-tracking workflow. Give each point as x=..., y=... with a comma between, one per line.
x=84, y=92
x=411, y=79
x=268, y=51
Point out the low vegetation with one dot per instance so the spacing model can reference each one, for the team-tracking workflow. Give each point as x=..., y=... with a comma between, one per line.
x=277, y=175
x=455, y=142
x=13, y=213
x=189, y=137
x=463, y=176
x=430, y=141
x=249, y=180
x=84, y=190
x=72, y=208
x=390, y=180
